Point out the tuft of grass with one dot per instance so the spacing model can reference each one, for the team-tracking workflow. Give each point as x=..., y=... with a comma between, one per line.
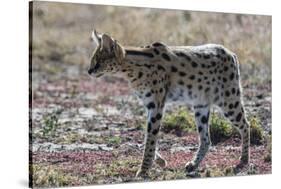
x=50, y=123
x=220, y=129
x=179, y=121
x=49, y=176
x=114, y=140
x=256, y=131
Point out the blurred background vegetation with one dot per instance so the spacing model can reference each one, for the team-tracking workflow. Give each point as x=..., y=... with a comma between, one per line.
x=61, y=32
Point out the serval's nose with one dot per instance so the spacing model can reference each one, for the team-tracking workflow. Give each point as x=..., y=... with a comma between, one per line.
x=90, y=71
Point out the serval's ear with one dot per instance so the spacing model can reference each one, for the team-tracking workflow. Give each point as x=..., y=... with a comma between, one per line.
x=107, y=43
x=119, y=52
x=96, y=38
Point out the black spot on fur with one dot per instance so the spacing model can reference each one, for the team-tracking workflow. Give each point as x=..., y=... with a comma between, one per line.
x=227, y=93
x=233, y=90
x=238, y=92
x=174, y=69
x=204, y=119
x=158, y=116
x=182, y=74
x=200, y=87
x=149, y=127
x=194, y=64
x=148, y=94
x=213, y=63
x=231, y=77
x=180, y=82
x=189, y=86
x=207, y=89
x=140, y=75
x=154, y=82
x=238, y=117
x=224, y=79
x=192, y=77
x=139, y=53
x=200, y=129
x=161, y=68
x=152, y=142
x=183, y=55
x=166, y=57
x=230, y=113
x=150, y=105
x=155, y=131
x=133, y=80
x=230, y=106
x=153, y=119
x=197, y=114
x=225, y=68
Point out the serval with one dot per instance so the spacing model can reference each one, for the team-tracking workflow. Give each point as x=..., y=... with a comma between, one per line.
x=202, y=76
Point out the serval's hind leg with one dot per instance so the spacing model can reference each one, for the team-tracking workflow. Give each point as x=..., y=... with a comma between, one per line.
x=201, y=119
x=234, y=111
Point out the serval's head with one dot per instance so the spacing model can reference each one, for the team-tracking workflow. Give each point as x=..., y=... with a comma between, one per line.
x=107, y=56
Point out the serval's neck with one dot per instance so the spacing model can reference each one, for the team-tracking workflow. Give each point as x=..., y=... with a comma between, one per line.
x=135, y=59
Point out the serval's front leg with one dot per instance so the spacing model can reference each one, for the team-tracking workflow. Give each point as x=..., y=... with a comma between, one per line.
x=153, y=127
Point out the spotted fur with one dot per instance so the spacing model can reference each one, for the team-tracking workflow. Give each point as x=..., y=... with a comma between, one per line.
x=202, y=76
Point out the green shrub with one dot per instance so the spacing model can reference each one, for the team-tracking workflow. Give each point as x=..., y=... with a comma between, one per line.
x=256, y=131
x=220, y=129
x=179, y=121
